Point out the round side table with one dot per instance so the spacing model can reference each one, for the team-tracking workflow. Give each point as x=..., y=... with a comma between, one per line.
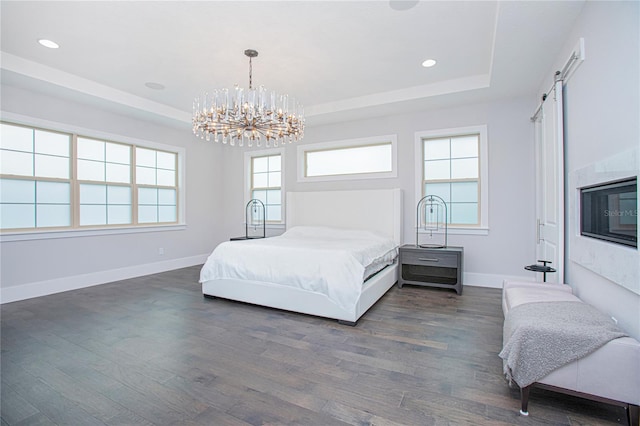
x=541, y=268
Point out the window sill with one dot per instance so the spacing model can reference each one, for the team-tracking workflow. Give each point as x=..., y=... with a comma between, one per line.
x=461, y=231
x=90, y=232
x=270, y=225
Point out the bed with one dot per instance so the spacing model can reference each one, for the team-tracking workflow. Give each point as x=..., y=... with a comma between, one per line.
x=356, y=213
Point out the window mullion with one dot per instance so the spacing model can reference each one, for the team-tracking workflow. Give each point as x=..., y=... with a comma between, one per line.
x=134, y=187
x=35, y=185
x=75, y=184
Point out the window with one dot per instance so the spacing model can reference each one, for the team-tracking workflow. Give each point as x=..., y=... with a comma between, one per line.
x=265, y=182
x=350, y=159
x=104, y=180
x=452, y=165
x=35, y=185
x=157, y=186
x=63, y=181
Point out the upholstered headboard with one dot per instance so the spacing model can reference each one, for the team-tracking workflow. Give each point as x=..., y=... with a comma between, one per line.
x=374, y=209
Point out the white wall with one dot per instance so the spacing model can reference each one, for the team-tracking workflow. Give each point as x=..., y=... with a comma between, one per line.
x=488, y=259
x=33, y=268
x=602, y=119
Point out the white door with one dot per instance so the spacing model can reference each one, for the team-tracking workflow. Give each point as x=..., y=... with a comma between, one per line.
x=550, y=184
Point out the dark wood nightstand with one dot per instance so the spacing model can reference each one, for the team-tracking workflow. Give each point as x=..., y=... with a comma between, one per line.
x=431, y=267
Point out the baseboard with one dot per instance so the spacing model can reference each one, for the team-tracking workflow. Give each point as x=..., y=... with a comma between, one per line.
x=475, y=279
x=58, y=285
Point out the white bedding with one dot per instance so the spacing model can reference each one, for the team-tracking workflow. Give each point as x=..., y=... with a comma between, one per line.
x=317, y=259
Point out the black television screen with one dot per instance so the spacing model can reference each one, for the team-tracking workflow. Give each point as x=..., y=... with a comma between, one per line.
x=610, y=212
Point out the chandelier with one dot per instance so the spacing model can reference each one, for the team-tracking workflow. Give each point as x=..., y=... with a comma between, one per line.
x=251, y=116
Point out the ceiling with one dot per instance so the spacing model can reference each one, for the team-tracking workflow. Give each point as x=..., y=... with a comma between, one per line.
x=340, y=59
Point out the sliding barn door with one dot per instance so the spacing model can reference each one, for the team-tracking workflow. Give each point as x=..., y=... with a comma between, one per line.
x=550, y=183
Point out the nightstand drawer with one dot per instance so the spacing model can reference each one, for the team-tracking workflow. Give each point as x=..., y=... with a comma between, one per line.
x=430, y=258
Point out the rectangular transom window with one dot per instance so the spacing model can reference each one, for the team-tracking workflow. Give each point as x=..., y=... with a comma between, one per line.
x=452, y=165
x=350, y=159
x=58, y=180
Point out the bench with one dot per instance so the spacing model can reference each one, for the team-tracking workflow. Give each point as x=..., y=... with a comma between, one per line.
x=610, y=374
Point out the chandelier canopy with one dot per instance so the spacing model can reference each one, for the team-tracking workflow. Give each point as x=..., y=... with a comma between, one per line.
x=237, y=117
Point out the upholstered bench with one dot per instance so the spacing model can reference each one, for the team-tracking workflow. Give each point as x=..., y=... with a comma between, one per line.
x=609, y=374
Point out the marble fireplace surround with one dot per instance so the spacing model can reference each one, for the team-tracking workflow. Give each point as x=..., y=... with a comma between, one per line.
x=615, y=262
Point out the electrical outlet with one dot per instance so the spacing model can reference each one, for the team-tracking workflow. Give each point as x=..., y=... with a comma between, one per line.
x=161, y=251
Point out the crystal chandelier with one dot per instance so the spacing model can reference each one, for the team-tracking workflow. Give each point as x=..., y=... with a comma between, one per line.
x=239, y=116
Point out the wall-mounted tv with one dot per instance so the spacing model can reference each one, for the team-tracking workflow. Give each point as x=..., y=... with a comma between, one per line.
x=609, y=212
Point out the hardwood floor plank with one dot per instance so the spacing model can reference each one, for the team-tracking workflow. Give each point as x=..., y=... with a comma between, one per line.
x=257, y=408
x=153, y=351
x=51, y=403
x=87, y=399
x=353, y=416
x=285, y=386
x=36, y=420
x=212, y=417
x=16, y=408
x=143, y=404
x=217, y=394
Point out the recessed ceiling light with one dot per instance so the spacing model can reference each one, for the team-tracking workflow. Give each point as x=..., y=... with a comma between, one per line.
x=429, y=63
x=154, y=86
x=48, y=43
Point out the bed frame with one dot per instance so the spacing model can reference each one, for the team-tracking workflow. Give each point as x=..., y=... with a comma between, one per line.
x=378, y=210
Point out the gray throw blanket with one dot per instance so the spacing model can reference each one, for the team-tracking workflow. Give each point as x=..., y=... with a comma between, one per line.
x=543, y=336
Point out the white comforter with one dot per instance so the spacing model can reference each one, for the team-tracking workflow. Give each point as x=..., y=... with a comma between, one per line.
x=317, y=259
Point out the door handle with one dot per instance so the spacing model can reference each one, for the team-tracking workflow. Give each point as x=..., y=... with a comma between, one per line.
x=539, y=231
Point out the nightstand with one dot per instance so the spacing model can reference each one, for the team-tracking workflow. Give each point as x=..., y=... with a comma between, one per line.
x=431, y=267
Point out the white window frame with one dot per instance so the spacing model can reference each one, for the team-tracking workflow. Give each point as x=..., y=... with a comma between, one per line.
x=348, y=143
x=483, y=179
x=248, y=156
x=43, y=233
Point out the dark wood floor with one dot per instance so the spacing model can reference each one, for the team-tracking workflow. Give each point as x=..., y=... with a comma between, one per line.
x=152, y=350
